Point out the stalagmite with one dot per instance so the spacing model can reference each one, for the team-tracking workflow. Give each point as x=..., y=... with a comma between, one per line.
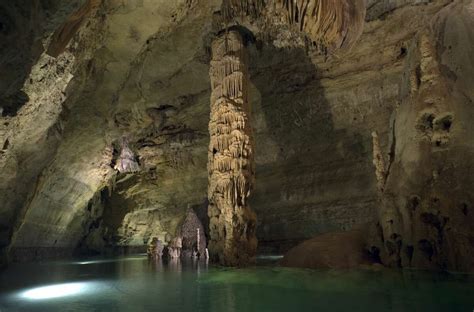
x=193, y=237
x=155, y=249
x=197, y=239
x=378, y=161
x=230, y=163
x=174, y=248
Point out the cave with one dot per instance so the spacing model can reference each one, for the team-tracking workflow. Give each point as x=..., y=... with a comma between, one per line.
x=236, y=155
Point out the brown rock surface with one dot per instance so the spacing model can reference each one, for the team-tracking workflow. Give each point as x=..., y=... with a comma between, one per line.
x=335, y=250
x=427, y=198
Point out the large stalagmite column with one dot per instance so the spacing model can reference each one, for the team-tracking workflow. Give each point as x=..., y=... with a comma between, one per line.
x=231, y=168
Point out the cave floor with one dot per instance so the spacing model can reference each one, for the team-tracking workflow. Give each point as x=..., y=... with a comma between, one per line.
x=133, y=283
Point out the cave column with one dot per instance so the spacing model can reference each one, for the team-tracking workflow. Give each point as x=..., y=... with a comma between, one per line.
x=230, y=162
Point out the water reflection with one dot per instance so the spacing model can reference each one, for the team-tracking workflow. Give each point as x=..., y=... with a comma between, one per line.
x=55, y=291
x=139, y=284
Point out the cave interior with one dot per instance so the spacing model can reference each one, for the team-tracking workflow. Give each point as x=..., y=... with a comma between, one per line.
x=232, y=136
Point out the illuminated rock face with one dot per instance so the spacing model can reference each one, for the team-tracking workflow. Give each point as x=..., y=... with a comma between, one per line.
x=231, y=167
x=332, y=23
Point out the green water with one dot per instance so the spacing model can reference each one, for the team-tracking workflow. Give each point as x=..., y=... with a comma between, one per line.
x=135, y=284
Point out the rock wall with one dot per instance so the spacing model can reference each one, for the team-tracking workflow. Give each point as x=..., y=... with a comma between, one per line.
x=33, y=127
x=141, y=71
x=426, y=201
x=76, y=159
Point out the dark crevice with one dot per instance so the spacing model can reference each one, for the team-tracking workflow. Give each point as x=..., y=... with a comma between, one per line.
x=409, y=252
x=426, y=248
x=5, y=145
x=413, y=202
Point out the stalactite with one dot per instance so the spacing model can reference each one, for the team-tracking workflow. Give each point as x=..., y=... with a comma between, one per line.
x=126, y=161
x=334, y=23
x=230, y=166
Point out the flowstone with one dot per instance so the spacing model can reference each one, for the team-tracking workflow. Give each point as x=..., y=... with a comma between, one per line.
x=231, y=163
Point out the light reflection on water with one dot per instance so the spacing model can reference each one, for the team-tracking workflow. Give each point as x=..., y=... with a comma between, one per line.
x=136, y=284
x=57, y=291
x=105, y=261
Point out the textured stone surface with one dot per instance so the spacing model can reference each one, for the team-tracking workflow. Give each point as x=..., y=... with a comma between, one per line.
x=427, y=198
x=193, y=234
x=140, y=69
x=231, y=155
x=31, y=134
x=336, y=250
x=331, y=24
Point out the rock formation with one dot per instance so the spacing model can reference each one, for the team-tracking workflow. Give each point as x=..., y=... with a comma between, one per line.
x=127, y=161
x=78, y=75
x=378, y=161
x=192, y=232
x=337, y=250
x=424, y=214
x=231, y=167
x=174, y=248
x=155, y=249
x=333, y=24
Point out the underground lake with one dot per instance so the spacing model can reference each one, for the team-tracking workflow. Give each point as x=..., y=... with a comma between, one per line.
x=135, y=283
x=236, y=155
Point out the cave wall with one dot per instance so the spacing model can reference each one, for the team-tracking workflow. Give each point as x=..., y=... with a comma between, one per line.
x=313, y=118
x=141, y=71
x=425, y=209
x=68, y=131
x=32, y=124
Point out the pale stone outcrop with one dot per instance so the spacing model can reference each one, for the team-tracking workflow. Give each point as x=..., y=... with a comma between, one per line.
x=174, y=247
x=155, y=249
x=126, y=162
x=378, y=161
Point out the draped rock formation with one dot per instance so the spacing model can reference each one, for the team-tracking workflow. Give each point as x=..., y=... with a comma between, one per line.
x=332, y=23
x=231, y=168
x=63, y=35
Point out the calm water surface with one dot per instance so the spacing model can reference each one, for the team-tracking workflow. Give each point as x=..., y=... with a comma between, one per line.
x=136, y=284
